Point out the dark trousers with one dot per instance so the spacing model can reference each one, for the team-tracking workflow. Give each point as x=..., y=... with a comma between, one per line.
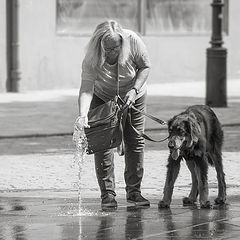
x=134, y=153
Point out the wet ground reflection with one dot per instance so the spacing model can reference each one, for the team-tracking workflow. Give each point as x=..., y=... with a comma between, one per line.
x=194, y=223
x=35, y=218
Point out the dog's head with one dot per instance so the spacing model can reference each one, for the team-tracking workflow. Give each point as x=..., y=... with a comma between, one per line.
x=184, y=131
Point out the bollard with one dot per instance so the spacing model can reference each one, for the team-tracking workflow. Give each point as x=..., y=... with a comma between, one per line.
x=216, y=74
x=13, y=46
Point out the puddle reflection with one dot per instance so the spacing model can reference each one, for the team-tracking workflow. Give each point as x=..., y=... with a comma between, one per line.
x=16, y=232
x=169, y=223
x=105, y=229
x=209, y=223
x=125, y=223
x=112, y=227
x=17, y=205
x=19, y=232
x=71, y=231
x=13, y=205
x=134, y=224
x=201, y=224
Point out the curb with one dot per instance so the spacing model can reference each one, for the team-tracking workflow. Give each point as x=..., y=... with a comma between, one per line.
x=35, y=135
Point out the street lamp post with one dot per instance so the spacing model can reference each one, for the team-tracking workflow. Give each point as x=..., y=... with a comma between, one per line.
x=216, y=94
x=13, y=60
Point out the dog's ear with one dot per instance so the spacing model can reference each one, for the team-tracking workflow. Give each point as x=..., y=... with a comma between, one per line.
x=169, y=123
x=194, y=130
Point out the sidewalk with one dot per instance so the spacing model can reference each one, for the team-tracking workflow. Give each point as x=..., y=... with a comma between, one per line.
x=53, y=112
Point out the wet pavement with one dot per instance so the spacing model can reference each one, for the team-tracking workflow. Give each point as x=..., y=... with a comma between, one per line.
x=51, y=218
x=39, y=200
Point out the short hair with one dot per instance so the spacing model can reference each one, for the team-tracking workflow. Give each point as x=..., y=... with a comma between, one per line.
x=95, y=55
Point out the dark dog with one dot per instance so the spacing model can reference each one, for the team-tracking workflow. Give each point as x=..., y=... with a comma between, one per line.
x=195, y=135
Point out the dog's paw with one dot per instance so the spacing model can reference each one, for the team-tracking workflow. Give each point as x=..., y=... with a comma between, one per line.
x=188, y=202
x=206, y=205
x=220, y=201
x=163, y=204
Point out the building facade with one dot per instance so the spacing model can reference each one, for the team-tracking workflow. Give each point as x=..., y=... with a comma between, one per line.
x=53, y=34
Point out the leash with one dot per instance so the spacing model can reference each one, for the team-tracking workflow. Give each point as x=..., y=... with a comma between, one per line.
x=160, y=121
x=145, y=136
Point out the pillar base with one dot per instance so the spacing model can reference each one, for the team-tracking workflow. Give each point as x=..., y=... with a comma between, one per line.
x=216, y=92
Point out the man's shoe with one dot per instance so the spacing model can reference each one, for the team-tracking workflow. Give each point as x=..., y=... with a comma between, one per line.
x=109, y=202
x=138, y=199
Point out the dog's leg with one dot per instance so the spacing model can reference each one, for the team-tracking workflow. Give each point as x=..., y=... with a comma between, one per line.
x=192, y=198
x=221, y=199
x=172, y=173
x=201, y=170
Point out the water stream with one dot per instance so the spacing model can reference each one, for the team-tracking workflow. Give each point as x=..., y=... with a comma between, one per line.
x=80, y=142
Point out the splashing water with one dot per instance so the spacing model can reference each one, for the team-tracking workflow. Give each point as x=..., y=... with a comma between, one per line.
x=80, y=141
x=70, y=210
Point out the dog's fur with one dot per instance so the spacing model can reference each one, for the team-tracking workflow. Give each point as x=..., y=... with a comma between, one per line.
x=195, y=135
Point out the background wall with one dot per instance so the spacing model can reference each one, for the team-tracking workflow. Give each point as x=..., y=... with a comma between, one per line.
x=232, y=42
x=47, y=60
x=51, y=61
x=3, y=70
